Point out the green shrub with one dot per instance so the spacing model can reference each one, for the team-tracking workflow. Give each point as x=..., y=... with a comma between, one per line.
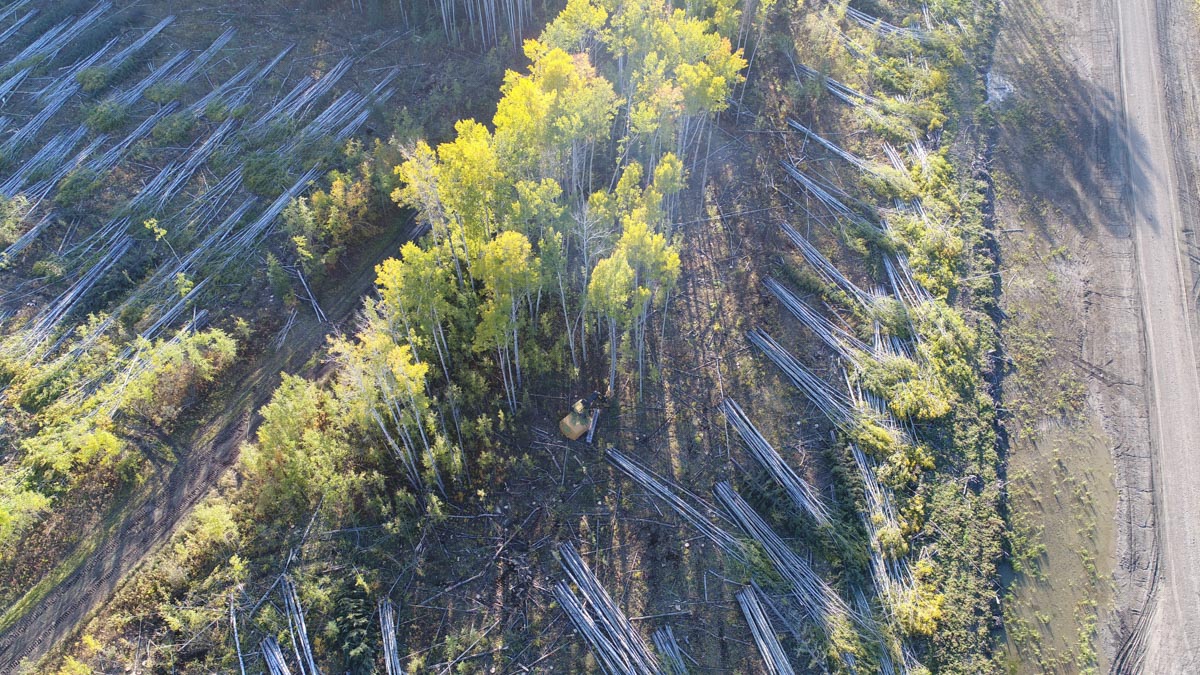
x=892, y=316
x=107, y=116
x=51, y=268
x=12, y=213
x=164, y=92
x=78, y=186
x=93, y=79
x=174, y=129
x=920, y=610
x=177, y=372
x=281, y=281
x=263, y=175
x=19, y=508
x=216, y=111
x=910, y=393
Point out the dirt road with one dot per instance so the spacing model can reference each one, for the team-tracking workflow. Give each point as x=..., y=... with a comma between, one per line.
x=1171, y=636
x=1108, y=170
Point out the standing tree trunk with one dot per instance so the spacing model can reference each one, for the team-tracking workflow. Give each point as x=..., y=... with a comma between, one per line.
x=612, y=346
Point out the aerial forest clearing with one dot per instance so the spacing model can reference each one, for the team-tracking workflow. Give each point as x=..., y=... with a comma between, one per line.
x=307, y=310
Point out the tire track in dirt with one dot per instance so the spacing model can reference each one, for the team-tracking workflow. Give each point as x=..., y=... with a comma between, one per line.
x=1170, y=632
x=1123, y=97
x=151, y=522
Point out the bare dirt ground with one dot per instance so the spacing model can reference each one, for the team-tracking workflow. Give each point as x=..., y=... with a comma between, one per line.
x=1114, y=166
x=1171, y=637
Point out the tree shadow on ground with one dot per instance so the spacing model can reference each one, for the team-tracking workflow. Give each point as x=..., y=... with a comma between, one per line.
x=1063, y=137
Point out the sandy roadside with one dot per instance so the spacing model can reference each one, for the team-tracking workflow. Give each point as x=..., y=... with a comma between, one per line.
x=1122, y=201
x=1172, y=634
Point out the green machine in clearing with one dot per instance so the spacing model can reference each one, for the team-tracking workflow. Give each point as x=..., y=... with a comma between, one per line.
x=583, y=417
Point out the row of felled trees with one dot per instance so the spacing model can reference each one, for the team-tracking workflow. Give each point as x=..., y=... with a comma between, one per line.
x=548, y=231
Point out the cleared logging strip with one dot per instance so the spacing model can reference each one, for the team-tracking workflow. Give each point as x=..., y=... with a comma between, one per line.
x=387, y=627
x=131, y=95
x=218, y=92
x=841, y=91
x=619, y=641
x=52, y=41
x=68, y=79
x=883, y=27
x=668, y=491
x=840, y=340
x=273, y=657
x=48, y=318
x=826, y=269
x=173, y=176
x=832, y=147
x=12, y=30
x=138, y=45
x=26, y=133
x=668, y=648
x=42, y=189
x=201, y=60
x=12, y=9
x=113, y=155
x=834, y=404
x=10, y=85
x=819, y=600
x=296, y=621
x=764, y=636
x=805, y=497
x=52, y=153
